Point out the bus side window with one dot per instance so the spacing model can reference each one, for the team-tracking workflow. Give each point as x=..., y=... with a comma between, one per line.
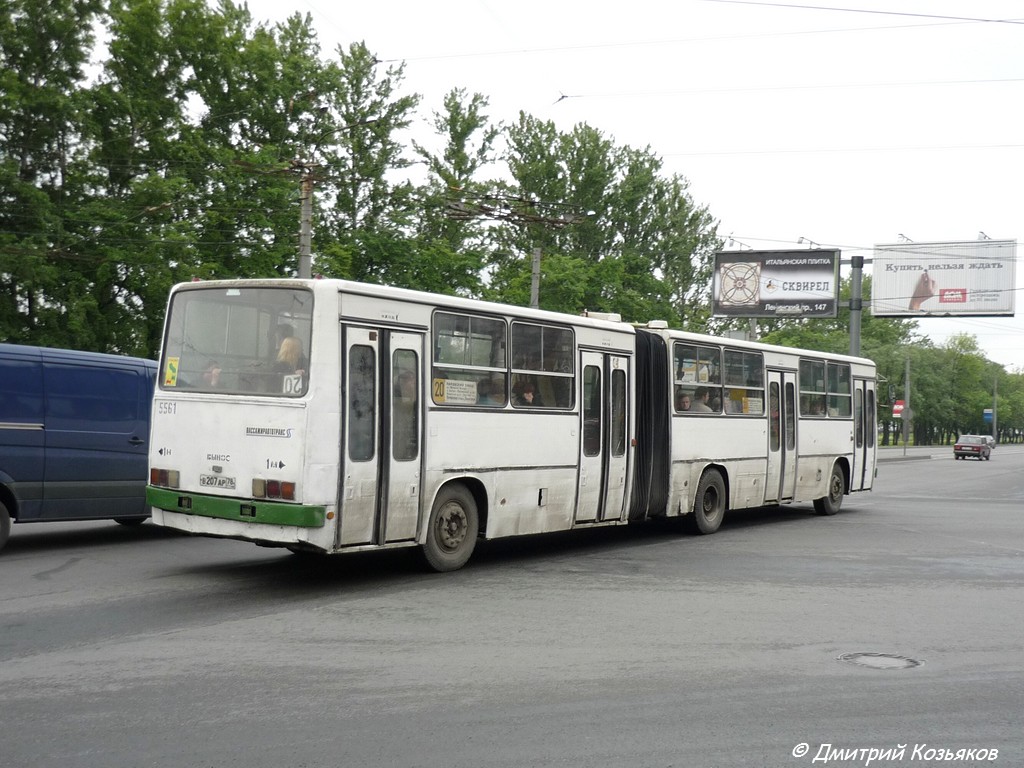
x=543, y=355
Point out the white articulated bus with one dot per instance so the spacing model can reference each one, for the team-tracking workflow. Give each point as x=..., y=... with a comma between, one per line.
x=331, y=416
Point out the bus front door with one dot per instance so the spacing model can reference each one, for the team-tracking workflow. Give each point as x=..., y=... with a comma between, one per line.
x=865, y=433
x=382, y=418
x=780, y=481
x=604, y=430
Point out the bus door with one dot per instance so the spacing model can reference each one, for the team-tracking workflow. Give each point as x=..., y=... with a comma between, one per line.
x=865, y=432
x=780, y=482
x=382, y=419
x=604, y=429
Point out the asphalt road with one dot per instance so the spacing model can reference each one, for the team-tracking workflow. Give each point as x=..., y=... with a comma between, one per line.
x=619, y=647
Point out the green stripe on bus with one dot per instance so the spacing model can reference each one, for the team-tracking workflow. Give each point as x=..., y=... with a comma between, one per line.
x=242, y=510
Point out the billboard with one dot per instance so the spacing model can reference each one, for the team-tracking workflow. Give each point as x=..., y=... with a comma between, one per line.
x=970, y=278
x=801, y=283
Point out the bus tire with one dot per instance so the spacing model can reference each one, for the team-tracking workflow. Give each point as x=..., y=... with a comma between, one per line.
x=5, y=525
x=451, y=530
x=709, y=504
x=830, y=504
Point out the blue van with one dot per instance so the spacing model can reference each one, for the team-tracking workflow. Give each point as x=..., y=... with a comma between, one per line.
x=74, y=436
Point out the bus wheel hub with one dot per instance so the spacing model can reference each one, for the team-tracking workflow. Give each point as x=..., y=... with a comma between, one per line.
x=452, y=525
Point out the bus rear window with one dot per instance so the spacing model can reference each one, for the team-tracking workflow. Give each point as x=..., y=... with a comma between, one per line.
x=238, y=340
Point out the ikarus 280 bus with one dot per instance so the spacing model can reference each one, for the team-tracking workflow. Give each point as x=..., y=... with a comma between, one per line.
x=331, y=416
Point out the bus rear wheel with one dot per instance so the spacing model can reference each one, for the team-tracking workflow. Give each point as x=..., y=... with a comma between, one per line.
x=829, y=505
x=452, y=529
x=709, y=505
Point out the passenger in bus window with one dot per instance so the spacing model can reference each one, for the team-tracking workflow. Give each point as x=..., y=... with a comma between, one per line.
x=282, y=332
x=528, y=396
x=290, y=359
x=498, y=390
x=211, y=376
x=491, y=391
x=682, y=401
x=405, y=418
x=290, y=362
x=483, y=392
x=700, y=402
x=405, y=386
x=814, y=405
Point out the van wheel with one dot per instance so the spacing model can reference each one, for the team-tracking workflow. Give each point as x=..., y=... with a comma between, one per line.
x=829, y=505
x=130, y=521
x=452, y=529
x=709, y=505
x=5, y=525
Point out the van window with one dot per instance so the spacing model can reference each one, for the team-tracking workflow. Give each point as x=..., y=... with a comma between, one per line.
x=91, y=399
x=21, y=392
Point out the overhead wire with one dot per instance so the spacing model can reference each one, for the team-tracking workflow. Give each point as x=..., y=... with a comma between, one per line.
x=872, y=11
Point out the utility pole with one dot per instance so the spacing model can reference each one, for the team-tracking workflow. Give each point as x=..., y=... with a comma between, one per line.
x=856, y=303
x=306, y=178
x=306, y=224
x=535, y=279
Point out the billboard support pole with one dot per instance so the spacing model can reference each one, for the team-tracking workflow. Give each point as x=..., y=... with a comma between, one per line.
x=906, y=406
x=856, y=303
x=995, y=409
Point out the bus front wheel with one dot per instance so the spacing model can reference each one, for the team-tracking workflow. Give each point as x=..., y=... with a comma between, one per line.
x=709, y=505
x=829, y=505
x=452, y=530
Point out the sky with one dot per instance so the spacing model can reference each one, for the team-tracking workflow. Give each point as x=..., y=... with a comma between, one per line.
x=834, y=124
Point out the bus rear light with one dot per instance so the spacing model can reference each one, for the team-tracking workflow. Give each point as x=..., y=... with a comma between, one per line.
x=165, y=478
x=273, y=489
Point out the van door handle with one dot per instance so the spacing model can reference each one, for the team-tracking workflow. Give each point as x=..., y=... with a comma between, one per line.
x=135, y=440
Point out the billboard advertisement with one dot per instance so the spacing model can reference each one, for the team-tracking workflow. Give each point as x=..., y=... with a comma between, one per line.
x=969, y=278
x=776, y=283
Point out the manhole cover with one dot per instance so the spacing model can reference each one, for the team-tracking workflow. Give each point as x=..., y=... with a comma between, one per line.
x=880, y=660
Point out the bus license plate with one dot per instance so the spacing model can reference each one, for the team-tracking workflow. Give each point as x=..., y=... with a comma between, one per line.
x=216, y=481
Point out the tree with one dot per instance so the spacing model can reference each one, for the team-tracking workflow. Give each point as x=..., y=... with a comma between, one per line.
x=636, y=243
x=359, y=145
x=452, y=247
x=44, y=47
